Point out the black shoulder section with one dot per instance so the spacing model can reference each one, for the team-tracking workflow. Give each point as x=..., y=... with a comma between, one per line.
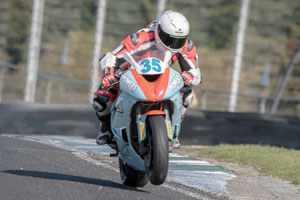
x=134, y=38
x=184, y=65
x=190, y=45
x=178, y=55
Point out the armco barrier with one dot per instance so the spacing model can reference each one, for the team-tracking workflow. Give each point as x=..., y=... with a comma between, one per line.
x=45, y=119
x=210, y=128
x=198, y=128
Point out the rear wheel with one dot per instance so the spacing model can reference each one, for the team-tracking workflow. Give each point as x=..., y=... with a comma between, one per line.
x=157, y=157
x=132, y=177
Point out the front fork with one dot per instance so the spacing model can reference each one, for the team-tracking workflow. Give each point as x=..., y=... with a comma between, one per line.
x=141, y=122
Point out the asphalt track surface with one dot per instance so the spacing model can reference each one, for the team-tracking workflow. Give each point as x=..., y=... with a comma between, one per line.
x=32, y=170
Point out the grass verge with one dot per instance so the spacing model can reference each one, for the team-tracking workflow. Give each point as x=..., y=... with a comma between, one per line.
x=280, y=162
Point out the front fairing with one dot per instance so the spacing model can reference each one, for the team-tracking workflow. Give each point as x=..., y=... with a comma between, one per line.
x=133, y=87
x=174, y=85
x=129, y=85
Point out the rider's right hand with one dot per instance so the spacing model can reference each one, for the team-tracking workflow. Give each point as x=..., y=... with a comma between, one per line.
x=108, y=78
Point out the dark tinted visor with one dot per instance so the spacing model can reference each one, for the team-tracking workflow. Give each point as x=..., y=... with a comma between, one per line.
x=172, y=41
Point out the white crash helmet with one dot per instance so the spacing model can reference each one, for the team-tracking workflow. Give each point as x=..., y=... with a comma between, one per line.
x=171, y=30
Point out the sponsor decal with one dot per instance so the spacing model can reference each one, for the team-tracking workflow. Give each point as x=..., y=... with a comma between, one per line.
x=169, y=129
x=131, y=85
x=175, y=82
x=142, y=131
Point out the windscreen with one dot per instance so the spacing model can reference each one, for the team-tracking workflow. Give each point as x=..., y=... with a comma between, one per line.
x=152, y=51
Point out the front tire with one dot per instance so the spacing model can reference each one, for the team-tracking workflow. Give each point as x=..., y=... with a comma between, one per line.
x=157, y=158
x=132, y=177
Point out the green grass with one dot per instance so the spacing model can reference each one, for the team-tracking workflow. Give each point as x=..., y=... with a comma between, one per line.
x=280, y=162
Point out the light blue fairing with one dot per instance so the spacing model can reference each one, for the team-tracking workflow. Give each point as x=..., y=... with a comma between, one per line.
x=129, y=94
x=173, y=94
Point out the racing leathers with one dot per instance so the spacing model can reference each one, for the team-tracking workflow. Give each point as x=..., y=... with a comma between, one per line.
x=141, y=41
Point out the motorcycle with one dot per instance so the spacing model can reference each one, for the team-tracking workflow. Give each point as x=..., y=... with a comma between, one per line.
x=146, y=117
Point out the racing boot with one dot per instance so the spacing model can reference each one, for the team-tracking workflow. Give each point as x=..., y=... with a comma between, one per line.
x=105, y=135
x=177, y=144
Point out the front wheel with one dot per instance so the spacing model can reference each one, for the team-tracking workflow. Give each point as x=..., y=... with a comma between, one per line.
x=132, y=177
x=157, y=157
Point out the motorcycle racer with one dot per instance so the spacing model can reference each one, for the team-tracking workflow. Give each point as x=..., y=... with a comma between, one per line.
x=169, y=32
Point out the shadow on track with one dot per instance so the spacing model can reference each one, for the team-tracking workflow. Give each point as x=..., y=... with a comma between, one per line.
x=72, y=178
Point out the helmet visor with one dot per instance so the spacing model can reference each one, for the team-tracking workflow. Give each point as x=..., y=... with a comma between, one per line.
x=172, y=41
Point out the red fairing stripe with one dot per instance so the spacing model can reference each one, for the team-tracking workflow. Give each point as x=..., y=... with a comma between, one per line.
x=153, y=91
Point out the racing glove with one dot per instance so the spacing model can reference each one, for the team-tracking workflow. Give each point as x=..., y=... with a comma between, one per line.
x=108, y=78
x=187, y=77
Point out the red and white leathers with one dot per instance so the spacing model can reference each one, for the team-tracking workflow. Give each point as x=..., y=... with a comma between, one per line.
x=141, y=41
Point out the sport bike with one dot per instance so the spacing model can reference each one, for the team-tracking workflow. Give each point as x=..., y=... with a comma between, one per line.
x=146, y=117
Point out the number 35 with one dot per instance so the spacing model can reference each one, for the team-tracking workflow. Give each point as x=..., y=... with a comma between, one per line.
x=154, y=65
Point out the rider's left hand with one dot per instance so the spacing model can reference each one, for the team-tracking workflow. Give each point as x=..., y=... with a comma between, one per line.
x=187, y=77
